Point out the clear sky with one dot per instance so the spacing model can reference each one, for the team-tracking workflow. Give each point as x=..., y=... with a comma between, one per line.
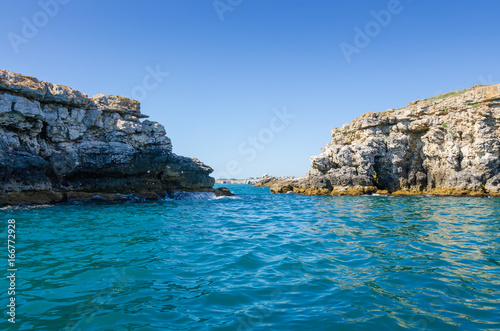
x=255, y=86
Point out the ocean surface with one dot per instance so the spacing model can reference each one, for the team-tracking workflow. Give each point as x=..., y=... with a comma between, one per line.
x=257, y=261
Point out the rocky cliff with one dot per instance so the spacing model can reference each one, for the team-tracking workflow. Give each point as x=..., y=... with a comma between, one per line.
x=56, y=144
x=445, y=145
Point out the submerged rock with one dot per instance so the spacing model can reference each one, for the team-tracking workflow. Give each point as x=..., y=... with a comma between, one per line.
x=56, y=144
x=222, y=192
x=446, y=145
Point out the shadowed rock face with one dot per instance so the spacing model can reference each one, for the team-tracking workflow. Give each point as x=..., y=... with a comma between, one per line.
x=446, y=145
x=56, y=144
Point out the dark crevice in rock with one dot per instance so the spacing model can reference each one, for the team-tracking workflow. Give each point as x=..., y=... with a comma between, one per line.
x=43, y=134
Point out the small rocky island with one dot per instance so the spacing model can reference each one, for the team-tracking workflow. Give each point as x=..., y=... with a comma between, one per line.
x=58, y=145
x=445, y=145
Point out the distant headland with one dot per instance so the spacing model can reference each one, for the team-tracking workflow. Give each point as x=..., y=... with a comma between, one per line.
x=249, y=181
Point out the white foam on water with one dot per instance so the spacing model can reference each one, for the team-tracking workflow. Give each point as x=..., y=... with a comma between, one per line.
x=181, y=195
x=25, y=207
x=231, y=197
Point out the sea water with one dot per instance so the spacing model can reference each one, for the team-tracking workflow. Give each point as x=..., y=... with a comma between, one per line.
x=256, y=261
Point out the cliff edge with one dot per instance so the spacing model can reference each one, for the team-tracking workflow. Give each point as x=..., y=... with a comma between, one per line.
x=56, y=145
x=445, y=145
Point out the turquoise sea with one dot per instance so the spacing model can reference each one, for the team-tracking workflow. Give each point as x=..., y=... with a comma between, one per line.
x=257, y=261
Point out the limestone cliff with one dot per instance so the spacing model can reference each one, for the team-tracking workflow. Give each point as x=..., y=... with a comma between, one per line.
x=445, y=145
x=56, y=144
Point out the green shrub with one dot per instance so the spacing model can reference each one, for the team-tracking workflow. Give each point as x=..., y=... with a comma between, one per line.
x=446, y=95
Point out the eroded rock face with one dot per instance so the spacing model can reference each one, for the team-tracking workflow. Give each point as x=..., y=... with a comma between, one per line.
x=56, y=144
x=266, y=180
x=449, y=145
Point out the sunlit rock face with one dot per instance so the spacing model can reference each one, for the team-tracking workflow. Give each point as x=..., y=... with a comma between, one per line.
x=56, y=144
x=446, y=145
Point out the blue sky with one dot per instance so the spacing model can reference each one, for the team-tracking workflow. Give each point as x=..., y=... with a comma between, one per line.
x=233, y=65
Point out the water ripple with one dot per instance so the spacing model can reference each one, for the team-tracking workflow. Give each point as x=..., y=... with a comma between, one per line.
x=260, y=262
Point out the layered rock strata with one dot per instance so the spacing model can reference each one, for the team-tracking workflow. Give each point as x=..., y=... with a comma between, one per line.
x=56, y=144
x=445, y=145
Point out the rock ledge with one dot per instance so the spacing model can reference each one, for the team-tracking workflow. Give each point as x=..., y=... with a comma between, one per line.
x=445, y=145
x=57, y=145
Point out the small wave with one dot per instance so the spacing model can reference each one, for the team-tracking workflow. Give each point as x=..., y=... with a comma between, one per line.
x=25, y=207
x=181, y=195
x=230, y=197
